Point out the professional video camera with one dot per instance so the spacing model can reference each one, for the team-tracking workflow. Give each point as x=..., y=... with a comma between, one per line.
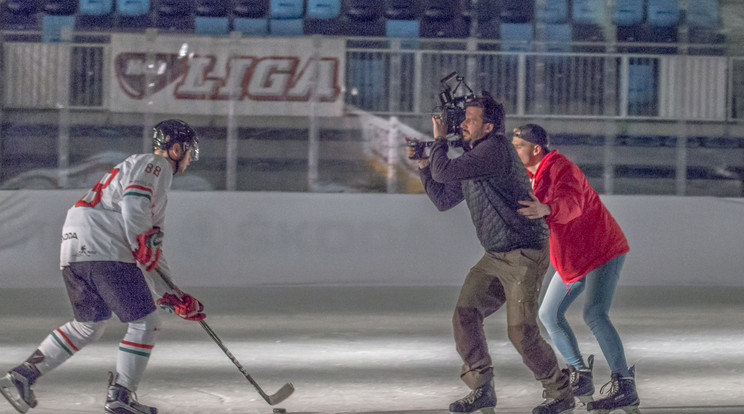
x=451, y=110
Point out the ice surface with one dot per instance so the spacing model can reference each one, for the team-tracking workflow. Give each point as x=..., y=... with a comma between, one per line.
x=378, y=349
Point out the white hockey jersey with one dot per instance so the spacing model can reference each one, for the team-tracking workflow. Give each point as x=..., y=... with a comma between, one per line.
x=129, y=200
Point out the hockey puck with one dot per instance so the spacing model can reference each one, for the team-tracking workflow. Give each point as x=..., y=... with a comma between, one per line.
x=279, y=410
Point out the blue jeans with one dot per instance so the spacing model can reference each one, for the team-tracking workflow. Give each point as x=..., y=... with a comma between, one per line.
x=600, y=286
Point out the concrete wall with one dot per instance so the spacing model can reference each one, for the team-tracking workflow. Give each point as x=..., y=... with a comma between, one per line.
x=250, y=238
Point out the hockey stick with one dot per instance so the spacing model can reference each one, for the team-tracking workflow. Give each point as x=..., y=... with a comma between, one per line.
x=284, y=392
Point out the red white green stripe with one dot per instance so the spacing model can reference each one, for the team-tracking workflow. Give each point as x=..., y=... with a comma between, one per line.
x=142, y=350
x=64, y=342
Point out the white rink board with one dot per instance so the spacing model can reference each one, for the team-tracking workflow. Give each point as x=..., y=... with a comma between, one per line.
x=247, y=238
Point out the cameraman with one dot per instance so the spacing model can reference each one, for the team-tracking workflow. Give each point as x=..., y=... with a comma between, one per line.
x=491, y=179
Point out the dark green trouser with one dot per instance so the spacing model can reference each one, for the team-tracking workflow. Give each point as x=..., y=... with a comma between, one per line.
x=513, y=278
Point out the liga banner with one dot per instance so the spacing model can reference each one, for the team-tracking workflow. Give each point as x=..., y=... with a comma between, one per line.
x=222, y=75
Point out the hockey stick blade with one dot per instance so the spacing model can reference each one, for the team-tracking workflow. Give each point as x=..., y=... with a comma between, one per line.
x=279, y=396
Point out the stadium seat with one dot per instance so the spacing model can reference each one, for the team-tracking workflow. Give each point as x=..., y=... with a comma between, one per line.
x=322, y=17
x=250, y=26
x=61, y=7
x=516, y=37
x=406, y=29
x=402, y=9
x=557, y=37
x=286, y=27
x=251, y=8
x=663, y=13
x=517, y=11
x=175, y=15
x=488, y=10
x=627, y=12
x=702, y=13
x=95, y=7
x=95, y=14
x=52, y=26
x=132, y=7
x=588, y=12
x=323, y=9
x=20, y=15
x=213, y=26
x=286, y=9
x=552, y=12
x=212, y=8
x=588, y=38
x=442, y=19
x=362, y=18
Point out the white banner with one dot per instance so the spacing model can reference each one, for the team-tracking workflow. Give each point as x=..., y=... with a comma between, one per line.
x=227, y=75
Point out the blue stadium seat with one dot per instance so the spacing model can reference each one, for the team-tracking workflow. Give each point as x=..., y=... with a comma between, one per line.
x=213, y=26
x=95, y=7
x=517, y=11
x=285, y=27
x=402, y=9
x=286, y=9
x=95, y=14
x=663, y=13
x=516, y=37
x=251, y=26
x=703, y=13
x=557, y=37
x=588, y=12
x=552, y=12
x=407, y=29
x=323, y=9
x=588, y=38
x=439, y=10
x=627, y=12
x=251, y=8
x=322, y=17
x=53, y=25
x=133, y=7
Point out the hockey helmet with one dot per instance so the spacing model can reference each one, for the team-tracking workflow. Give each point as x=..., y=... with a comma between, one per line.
x=179, y=132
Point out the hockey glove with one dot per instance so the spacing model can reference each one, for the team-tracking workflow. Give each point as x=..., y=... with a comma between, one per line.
x=187, y=307
x=148, y=252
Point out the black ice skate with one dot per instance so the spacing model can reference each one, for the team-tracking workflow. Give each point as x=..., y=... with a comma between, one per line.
x=16, y=387
x=482, y=398
x=622, y=396
x=120, y=400
x=582, y=382
x=556, y=406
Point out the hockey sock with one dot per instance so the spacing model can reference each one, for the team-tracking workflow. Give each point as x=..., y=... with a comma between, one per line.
x=64, y=342
x=135, y=349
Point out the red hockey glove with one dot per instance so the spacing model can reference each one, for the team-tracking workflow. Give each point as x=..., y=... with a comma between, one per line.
x=187, y=307
x=148, y=252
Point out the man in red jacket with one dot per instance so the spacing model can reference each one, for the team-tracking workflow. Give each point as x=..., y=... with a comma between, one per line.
x=587, y=249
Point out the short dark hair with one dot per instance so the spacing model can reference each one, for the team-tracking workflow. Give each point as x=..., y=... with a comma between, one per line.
x=493, y=111
x=535, y=134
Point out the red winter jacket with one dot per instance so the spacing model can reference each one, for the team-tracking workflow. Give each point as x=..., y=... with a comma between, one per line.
x=583, y=234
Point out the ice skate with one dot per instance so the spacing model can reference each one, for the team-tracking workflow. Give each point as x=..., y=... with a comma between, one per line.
x=622, y=396
x=555, y=406
x=582, y=382
x=120, y=400
x=481, y=399
x=16, y=387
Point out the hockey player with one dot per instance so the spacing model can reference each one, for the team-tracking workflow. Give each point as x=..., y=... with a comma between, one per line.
x=490, y=178
x=587, y=249
x=111, y=239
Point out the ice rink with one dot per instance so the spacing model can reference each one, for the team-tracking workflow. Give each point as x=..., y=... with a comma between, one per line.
x=378, y=350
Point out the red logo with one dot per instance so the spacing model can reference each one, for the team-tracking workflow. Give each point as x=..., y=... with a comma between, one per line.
x=272, y=78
